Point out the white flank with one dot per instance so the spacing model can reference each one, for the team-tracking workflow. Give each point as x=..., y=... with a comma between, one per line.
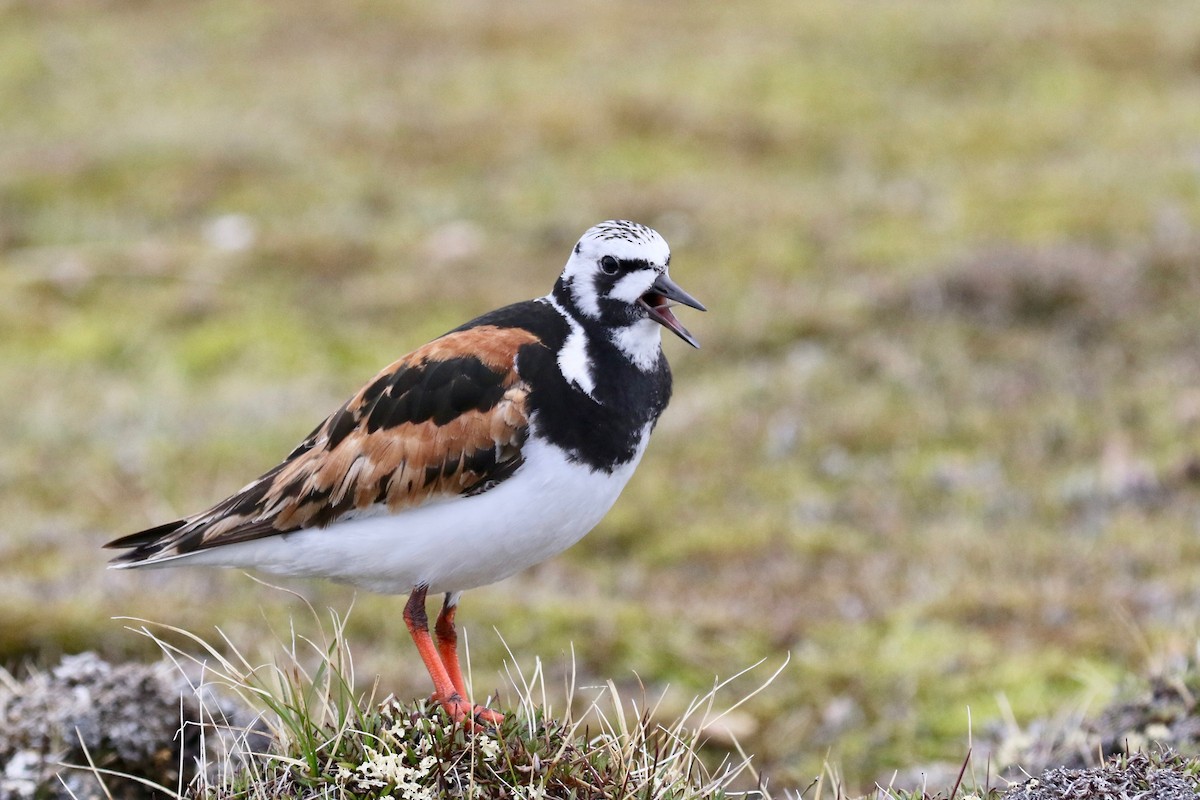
x=450, y=545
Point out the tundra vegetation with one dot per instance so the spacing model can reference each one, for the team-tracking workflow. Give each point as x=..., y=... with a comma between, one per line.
x=941, y=444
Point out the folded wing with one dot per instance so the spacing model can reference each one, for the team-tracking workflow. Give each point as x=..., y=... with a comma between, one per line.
x=447, y=420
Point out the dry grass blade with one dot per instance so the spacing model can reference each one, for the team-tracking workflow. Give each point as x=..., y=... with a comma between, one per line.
x=325, y=738
x=99, y=772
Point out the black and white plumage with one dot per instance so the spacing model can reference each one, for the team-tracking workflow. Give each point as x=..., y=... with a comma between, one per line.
x=477, y=455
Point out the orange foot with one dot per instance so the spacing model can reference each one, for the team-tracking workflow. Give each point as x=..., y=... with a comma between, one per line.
x=471, y=716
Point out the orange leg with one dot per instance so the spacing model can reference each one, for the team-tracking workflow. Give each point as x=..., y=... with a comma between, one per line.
x=444, y=688
x=447, y=646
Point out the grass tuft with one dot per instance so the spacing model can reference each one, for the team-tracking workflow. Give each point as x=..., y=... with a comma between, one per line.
x=318, y=736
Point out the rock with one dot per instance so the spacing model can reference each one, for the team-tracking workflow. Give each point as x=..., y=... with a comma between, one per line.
x=1162, y=775
x=144, y=720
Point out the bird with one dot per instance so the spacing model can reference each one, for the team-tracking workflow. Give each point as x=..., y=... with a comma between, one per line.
x=490, y=449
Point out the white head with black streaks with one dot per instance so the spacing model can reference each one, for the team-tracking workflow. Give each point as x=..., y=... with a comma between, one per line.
x=617, y=276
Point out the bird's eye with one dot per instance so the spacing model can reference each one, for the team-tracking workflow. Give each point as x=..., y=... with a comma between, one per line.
x=609, y=265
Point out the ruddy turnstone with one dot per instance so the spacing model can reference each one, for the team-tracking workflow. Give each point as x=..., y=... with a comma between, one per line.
x=482, y=453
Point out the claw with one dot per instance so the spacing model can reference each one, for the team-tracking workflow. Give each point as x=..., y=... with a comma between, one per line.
x=471, y=717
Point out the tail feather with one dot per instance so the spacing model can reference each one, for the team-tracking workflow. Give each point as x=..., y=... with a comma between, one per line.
x=143, y=545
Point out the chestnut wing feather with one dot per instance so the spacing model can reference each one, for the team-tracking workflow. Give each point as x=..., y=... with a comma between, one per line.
x=449, y=419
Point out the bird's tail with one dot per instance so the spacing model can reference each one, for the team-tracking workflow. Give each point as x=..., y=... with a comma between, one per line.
x=143, y=546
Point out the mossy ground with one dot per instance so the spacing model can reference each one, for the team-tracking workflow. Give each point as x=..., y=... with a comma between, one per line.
x=941, y=442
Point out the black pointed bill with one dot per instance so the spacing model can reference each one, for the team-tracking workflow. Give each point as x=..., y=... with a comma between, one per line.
x=665, y=293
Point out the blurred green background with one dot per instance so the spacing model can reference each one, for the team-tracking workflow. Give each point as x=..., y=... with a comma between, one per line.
x=942, y=442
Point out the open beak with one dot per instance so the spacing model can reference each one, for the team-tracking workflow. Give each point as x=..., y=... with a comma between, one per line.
x=665, y=293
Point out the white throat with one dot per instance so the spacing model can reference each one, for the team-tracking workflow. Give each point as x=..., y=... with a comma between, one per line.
x=641, y=342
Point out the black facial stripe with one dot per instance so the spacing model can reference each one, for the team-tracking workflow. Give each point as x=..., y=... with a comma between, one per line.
x=603, y=284
x=627, y=265
x=618, y=312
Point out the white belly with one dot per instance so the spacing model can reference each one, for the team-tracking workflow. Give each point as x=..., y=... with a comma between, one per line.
x=452, y=544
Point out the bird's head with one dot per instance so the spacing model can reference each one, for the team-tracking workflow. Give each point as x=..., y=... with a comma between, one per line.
x=617, y=276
